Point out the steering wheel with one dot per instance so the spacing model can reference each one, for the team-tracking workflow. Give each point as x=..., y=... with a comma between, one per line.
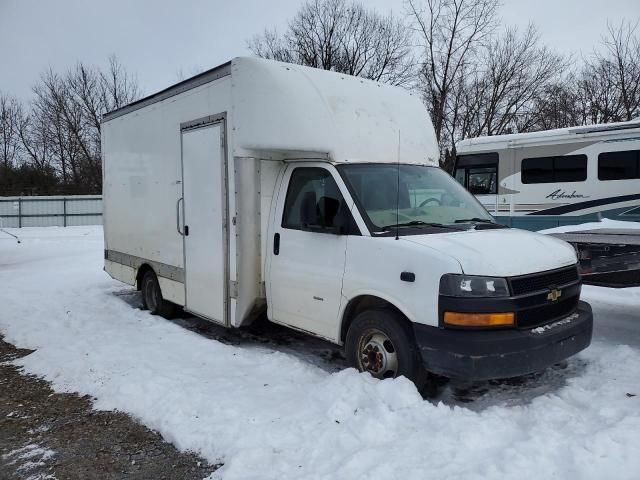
x=428, y=200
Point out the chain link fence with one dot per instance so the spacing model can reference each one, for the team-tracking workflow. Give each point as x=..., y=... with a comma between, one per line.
x=49, y=211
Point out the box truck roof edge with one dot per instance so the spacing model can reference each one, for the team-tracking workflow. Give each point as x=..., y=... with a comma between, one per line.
x=280, y=108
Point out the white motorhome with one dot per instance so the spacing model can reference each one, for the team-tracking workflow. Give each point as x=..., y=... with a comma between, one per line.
x=316, y=197
x=556, y=177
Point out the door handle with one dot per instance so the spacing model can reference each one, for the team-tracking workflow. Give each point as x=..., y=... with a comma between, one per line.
x=276, y=244
x=186, y=230
x=181, y=199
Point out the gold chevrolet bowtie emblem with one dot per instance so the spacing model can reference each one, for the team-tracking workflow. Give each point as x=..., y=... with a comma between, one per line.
x=554, y=294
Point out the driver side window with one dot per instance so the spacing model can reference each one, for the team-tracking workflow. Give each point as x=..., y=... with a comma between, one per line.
x=314, y=203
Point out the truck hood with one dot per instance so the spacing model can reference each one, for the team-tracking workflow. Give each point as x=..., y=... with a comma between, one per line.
x=500, y=253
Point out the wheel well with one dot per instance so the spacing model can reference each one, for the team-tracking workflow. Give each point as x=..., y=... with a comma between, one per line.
x=362, y=303
x=144, y=268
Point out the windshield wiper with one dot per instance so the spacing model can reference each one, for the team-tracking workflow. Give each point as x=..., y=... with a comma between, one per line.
x=414, y=223
x=474, y=219
x=481, y=223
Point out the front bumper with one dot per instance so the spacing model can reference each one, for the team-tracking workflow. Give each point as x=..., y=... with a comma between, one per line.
x=489, y=354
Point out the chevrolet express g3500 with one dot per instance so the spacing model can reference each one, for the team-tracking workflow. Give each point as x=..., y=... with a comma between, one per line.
x=316, y=197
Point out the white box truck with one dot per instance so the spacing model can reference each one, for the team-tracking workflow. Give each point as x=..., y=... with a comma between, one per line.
x=316, y=197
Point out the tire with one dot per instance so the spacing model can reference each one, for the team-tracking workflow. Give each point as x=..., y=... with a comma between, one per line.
x=152, y=297
x=381, y=343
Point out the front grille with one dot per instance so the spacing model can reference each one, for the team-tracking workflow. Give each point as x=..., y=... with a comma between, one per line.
x=533, y=317
x=543, y=281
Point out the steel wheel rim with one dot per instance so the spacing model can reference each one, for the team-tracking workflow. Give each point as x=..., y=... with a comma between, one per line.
x=377, y=355
x=151, y=296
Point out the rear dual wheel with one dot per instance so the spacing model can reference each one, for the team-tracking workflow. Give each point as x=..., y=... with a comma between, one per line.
x=152, y=296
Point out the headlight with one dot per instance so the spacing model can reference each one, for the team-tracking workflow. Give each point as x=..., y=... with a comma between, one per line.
x=455, y=285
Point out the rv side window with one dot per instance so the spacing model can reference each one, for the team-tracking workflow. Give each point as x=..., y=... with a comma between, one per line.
x=537, y=170
x=478, y=173
x=565, y=168
x=619, y=165
x=570, y=168
x=314, y=203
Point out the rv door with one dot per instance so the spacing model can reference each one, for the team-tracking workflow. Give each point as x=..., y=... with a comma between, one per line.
x=479, y=174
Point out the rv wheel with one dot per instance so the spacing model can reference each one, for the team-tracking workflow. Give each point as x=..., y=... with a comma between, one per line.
x=152, y=297
x=381, y=343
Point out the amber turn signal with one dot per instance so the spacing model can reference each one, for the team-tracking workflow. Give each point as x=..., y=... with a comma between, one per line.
x=478, y=319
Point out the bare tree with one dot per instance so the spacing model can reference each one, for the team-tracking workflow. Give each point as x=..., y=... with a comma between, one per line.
x=11, y=116
x=64, y=127
x=598, y=88
x=559, y=105
x=623, y=47
x=610, y=83
x=343, y=37
x=117, y=86
x=91, y=93
x=450, y=32
x=499, y=89
x=272, y=45
x=501, y=94
x=22, y=171
x=35, y=137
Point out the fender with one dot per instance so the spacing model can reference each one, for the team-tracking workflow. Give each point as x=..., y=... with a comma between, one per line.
x=372, y=293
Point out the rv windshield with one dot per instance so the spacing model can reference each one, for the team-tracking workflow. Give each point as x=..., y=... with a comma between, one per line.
x=427, y=197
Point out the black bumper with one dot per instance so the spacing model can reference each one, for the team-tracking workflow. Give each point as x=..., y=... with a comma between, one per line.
x=489, y=354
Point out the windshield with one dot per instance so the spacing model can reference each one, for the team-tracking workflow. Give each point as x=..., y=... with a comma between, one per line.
x=428, y=196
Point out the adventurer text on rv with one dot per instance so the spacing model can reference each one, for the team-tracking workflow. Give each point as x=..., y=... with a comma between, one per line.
x=316, y=198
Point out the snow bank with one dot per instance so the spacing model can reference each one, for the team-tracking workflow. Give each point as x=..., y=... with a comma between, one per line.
x=267, y=414
x=604, y=223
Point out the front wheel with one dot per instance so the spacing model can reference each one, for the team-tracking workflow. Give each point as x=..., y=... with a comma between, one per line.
x=379, y=342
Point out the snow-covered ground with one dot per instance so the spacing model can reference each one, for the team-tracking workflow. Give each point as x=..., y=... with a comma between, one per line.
x=284, y=411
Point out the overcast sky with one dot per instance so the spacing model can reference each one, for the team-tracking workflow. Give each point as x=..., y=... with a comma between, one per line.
x=159, y=40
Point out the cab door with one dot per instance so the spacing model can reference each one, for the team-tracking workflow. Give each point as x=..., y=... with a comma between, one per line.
x=307, y=251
